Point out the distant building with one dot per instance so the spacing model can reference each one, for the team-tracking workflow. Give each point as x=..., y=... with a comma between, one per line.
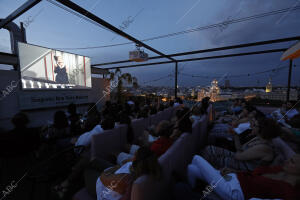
x=201, y=94
x=214, y=90
x=227, y=83
x=280, y=94
x=193, y=93
x=269, y=86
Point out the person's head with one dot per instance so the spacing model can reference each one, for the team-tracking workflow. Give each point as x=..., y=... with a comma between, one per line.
x=60, y=61
x=196, y=111
x=163, y=129
x=72, y=108
x=244, y=103
x=183, y=120
x=252, y=114
x=124, y=118
x=108, y=123
x=268, y=129
x=258, y=115
x=136, y=108
x=235, y=102
x=127, y=108
x=60, y=119
x=205, y=100
x=92, y=108
x=20, y=120
x=283, y=107
x=178, y=100
x=145, y=163
x=292, y=165
x=161, y=107
x=107, y=104
x=143, y=113
x=148, y=101
x=205, y=103
x=153, y=110
x=171, y=103
x=247, y=110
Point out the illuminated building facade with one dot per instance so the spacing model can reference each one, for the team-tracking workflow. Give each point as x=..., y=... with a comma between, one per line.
x=269, y=86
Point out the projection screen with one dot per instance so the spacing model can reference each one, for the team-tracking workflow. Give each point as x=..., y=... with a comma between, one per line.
x=44, y=68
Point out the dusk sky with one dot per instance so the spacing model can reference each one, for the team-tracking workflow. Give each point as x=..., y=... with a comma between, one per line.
x=54, y=27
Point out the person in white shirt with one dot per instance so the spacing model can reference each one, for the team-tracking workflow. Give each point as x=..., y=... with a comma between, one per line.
x=279, y=113
x=85, y=139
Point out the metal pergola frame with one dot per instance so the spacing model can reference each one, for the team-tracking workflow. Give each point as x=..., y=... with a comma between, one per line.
x=69, y=4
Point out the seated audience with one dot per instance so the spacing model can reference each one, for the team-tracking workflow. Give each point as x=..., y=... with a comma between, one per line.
x=258, y=151
x=74, y=119
x=21, y=140
x=85, y=139
x=116, y=183
x=183, y=123
x=59, y=129
x=125, y=119
x=143, y=113
x=153, y=110
x=162, y=144
x=276, y=182
x=222, y=132
x=84, y=159
x=93, y=118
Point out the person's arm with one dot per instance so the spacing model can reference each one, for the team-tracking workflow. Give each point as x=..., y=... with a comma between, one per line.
x=243, y=120
x=192, y=120
x=175, y=135
x=143, y=139
x=237, y=143
x=127, y=160
x=256, y=152
x=235, y=124
x=116, y=182
x=225, y=171
x=56, y=69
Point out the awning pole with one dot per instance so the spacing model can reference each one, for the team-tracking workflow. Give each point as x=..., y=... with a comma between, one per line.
x=289, y=81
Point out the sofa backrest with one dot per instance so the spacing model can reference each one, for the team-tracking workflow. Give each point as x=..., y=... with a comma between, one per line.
x=175, y=159
x=105, y=143
x=138, y=126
